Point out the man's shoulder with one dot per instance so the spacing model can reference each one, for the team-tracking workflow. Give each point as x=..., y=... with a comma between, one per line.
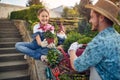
x=97, y=42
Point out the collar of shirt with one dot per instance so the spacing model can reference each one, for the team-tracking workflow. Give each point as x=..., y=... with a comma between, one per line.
x=108, y=32
x=46, y=27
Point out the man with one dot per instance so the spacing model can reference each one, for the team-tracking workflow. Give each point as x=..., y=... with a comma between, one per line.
x=102, y=54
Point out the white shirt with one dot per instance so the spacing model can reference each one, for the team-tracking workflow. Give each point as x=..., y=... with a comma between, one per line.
x=94, y=74
x=35, y=29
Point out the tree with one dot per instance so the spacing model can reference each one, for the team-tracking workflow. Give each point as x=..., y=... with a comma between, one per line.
x=65, y=12
x=82, y=10
x=33, y=2
x=70, y=12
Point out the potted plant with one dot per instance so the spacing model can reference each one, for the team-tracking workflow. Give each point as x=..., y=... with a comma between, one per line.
x=49, y=36
x=84, y=41
x=54, y=56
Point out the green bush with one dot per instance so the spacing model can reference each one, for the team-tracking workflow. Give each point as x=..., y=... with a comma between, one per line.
x=32, y=12
x=27, y=14
x=30, y=15
x=22, y=14
x=84, y=40
x=117, y=28
x=73, y=37
x=85, y=28
x=54, y=56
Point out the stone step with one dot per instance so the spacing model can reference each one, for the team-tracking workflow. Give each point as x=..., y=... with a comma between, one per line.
x=15, y=75
x=13, y=65
x=8, y=50
x=8, y=29
x=11, y=57
x=9, y=32
x=10, y=26
x=10, y=39
x=10, y=35
x=7, y=44
x=7, y=25
x=5, y=22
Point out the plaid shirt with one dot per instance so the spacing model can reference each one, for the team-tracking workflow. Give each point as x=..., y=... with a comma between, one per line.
x=103, y=53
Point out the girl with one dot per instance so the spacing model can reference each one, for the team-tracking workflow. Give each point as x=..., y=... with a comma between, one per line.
x=38, y=47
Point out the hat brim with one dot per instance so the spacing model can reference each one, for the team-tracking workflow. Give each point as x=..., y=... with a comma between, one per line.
x=103, y=12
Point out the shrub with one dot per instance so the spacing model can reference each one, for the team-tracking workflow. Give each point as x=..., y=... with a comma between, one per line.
x=22, y=14
x=54, y=56
x=117, y=28
x=32, y=12
x=84, y=40
x=27, y=14
x=72, y=37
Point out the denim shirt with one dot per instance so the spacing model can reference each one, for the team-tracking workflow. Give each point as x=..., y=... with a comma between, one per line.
x=103, y=53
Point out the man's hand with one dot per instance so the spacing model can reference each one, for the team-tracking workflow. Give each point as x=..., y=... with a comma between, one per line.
x=51, y=45
x=44, y=43
x=74, y=46
x=44, y=58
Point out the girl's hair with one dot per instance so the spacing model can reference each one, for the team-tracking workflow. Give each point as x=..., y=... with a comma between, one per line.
x=41, y=10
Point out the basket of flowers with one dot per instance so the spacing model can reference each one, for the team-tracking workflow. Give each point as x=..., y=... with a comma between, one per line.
x=59, y=63
x=67, y=72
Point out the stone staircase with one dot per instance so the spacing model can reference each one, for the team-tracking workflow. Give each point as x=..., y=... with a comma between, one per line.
x=13, y=66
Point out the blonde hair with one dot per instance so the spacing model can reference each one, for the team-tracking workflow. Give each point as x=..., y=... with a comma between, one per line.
x=41, y=10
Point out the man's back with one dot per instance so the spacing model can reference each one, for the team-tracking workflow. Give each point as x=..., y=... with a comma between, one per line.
x=109, y=66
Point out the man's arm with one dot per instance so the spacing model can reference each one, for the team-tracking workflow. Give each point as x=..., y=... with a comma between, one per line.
x=90, y=57
x=72, y=58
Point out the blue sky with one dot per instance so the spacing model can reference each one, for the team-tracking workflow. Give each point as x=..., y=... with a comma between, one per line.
x=49, y=3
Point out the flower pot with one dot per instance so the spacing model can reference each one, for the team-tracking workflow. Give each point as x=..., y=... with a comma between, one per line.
x=79, y=51
x=50, y=40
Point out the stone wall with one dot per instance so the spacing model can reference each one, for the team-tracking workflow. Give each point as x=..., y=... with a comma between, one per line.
x=36, y=67
x=6, y=9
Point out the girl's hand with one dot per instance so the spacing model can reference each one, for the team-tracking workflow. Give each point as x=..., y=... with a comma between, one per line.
x=44, y=43
x=51, y=45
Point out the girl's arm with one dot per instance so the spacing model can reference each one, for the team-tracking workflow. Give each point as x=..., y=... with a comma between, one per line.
x=38, y=39
x=43, y=43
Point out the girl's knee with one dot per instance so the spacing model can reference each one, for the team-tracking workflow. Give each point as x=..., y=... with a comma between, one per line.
x=18, y=44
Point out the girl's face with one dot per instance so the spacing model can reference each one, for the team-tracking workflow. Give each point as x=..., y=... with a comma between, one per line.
x=43, y=17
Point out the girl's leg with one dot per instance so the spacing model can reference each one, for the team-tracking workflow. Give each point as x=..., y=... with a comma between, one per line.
x=41, y=51
x=28, y=48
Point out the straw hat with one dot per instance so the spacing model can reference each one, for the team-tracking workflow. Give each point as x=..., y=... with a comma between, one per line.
x=107, y=9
